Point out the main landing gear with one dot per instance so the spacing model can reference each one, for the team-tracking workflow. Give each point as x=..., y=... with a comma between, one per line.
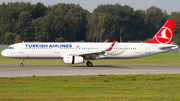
x=89, y=64
x=21, y=64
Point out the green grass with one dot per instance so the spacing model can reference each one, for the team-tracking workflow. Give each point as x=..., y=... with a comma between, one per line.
x=149, y=87
x=160, y=59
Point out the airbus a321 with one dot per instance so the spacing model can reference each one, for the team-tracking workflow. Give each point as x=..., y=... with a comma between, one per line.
x=77, y=53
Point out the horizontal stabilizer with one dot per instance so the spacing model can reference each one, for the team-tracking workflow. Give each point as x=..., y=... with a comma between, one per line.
x=168, y=47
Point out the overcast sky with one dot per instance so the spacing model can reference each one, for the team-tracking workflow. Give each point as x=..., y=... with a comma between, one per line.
x=90, y=5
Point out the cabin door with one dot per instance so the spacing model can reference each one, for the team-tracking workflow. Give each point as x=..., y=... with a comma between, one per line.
x=21, y=48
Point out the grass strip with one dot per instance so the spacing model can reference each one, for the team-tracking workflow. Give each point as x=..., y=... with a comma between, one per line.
x=149, y=87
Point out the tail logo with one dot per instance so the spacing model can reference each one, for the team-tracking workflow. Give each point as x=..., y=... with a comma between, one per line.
x=164, y=35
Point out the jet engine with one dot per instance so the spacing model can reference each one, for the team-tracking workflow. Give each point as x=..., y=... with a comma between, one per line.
x=73, y=59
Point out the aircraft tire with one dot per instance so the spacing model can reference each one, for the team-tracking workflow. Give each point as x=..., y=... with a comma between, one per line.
x=89, y=64
x=21, y=64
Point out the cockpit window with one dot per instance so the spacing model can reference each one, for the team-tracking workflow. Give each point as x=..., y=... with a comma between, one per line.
x=10, y=48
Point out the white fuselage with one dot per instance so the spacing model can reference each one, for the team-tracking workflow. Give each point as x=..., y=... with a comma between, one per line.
x=59, y=50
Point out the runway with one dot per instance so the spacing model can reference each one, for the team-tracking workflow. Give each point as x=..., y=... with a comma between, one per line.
x=52, y=70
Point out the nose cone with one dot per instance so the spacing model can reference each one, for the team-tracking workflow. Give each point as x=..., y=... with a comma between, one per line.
x=4, y=53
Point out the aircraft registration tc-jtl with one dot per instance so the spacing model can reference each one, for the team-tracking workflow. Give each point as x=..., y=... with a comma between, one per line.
x=76, y=53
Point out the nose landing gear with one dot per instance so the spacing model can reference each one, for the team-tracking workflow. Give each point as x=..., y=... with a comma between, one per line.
x=21, y=64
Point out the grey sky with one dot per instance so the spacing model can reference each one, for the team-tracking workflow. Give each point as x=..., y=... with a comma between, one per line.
x=90, y=5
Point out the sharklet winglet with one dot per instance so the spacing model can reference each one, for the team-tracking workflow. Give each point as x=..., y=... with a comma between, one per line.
x=112, y=45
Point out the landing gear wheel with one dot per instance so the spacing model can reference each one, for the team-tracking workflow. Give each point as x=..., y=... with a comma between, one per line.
x=89, y=64
x=21, y=64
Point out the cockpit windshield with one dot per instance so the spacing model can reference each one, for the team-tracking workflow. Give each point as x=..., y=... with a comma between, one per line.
x=10, y=48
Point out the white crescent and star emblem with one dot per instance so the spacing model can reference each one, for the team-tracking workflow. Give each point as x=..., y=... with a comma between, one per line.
x=164, y=36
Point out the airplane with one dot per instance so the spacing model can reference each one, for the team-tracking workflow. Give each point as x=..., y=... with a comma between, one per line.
x=77, y=53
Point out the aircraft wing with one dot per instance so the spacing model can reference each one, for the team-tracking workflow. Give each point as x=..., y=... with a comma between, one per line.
x=88, y=53
x=93, y=54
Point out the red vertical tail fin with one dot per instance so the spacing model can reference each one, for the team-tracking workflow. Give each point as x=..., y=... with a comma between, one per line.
x=164, y=35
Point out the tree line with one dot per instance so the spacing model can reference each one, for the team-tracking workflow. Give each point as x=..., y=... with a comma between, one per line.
x=23, y=21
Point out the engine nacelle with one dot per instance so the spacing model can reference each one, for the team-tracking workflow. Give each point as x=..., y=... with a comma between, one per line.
x=73, y=59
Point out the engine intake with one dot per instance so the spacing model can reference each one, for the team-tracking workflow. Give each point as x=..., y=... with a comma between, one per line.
x=73, y=59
